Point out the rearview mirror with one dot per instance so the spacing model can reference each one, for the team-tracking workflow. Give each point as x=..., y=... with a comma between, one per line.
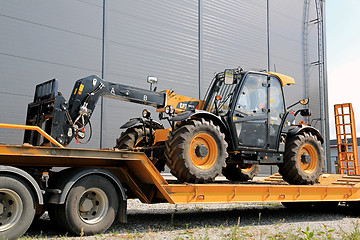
x=229, y=76
x=152, y=80
x=304, y=101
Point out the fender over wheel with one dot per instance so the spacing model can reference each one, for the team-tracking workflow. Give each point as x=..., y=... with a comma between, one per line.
x=303, y=159
x=135, y=137
x=196, y=151
x=241, y=172
x=90, y=207
x=17, y=207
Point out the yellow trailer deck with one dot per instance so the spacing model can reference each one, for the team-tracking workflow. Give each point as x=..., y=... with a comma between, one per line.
x=91, y=192
x=139, y=174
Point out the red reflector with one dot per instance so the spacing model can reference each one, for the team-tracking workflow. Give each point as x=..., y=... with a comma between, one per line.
x=218, y=97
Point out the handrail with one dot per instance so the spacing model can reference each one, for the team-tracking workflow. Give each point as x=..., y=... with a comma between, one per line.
x=34, y=128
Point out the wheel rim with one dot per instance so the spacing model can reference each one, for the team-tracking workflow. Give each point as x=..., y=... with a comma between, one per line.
x=308, y=158
x=203, y=151
x=93, y=205
x=11, y=208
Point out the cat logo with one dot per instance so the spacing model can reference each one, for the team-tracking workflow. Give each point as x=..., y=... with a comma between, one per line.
x=183, y=105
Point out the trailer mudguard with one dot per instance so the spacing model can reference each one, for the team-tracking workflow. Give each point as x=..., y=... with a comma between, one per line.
x=67, y=178
x=26, y=176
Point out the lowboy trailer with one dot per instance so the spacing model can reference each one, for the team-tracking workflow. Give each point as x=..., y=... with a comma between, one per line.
x=92, y=189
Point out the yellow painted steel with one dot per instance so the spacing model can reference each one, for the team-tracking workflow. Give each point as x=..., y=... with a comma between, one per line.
x=161, y=135
x=142, y=178
x=285, y=80
x=332, y=187
x=34, y=128
x=180, y=102
x=226, y=193
x=348, y=156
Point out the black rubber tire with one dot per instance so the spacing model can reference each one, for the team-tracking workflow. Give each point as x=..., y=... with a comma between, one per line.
x=291, y=170
x=178, y=151
x=68, y=215
x=233, y=172
x=133, y=137
x=18, y=197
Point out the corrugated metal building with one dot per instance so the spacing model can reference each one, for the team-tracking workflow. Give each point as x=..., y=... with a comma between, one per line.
x=181, y=42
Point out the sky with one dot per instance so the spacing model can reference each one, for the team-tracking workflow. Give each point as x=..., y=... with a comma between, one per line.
x=343, y=57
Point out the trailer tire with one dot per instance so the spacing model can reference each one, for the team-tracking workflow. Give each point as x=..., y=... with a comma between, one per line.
x=134, y=137
x=196, y=151
x=303, y=159
x=90, y=207
x=236, y=172
x=17, y=207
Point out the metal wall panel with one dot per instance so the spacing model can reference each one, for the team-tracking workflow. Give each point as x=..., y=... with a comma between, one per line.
x=181, y=42
x=234, y=34
x=43, y=40
x=157, y=38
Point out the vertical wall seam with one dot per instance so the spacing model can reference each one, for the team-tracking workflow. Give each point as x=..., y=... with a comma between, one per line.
x=102, y=73
x=200, y=26
x=268, y=34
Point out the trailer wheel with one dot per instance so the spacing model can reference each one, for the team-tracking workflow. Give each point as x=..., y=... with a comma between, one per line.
x=134, y=138
x=238, y=172
x=196, y=151
x=90, y=207
x=303, y=159
x=17, y=207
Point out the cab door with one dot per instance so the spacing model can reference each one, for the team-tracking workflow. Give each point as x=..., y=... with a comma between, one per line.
x=249, y=118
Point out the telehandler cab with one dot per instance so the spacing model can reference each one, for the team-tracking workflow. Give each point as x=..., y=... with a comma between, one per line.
x=241, y=123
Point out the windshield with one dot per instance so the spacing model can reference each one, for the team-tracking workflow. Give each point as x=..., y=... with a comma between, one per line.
x=226, y=91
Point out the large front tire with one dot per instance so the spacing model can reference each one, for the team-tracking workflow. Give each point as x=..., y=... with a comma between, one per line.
x=17, y=207
x=196, y=151
x=303, y=160
x=90, y=207
x=134, y=138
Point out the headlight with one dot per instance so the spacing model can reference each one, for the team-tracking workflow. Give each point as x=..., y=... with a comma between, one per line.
x=169, y=109
x=146, y=113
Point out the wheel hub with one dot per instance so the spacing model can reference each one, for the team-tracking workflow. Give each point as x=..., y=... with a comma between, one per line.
x=93, y=206
x=11, y=208
x=306, y=158
x=86, y=205
x=201, y=150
